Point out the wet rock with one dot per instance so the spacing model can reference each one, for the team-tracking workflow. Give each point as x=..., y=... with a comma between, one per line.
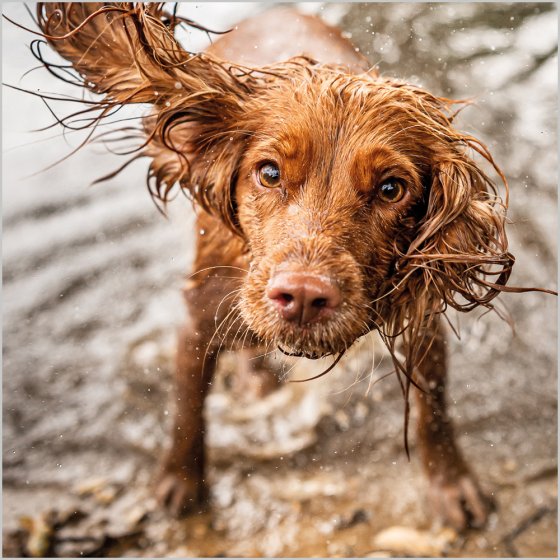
x=40, y=531
x=541, y=534
x=412, y=542
x=340, y=550
x=101, y=489
x=535, y=531
x=41, y=535
x=136, y=515
x=181, y=552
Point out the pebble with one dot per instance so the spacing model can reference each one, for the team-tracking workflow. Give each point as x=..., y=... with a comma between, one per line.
x=40, y=531
x=412, y=542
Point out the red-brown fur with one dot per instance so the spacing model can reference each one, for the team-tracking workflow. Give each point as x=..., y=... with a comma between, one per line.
x=336, y=131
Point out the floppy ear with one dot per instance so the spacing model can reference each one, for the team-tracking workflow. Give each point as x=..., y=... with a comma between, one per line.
x=456, y=253
x=127, y=53
x=461, y=246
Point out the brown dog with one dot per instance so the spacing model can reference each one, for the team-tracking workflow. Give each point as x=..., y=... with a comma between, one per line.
x=335, y=201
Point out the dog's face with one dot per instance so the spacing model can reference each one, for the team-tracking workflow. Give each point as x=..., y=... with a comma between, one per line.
x=338, y=178
x=330, y=186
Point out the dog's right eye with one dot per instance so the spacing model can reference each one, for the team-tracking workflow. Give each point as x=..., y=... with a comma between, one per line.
x=269, y=175
x=391, y=190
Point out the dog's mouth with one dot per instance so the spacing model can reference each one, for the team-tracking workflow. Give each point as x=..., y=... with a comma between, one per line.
x=312, y=341
x=304, y=354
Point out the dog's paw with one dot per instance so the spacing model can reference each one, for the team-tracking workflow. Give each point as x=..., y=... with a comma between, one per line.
x=460, y=503
x=179, y=493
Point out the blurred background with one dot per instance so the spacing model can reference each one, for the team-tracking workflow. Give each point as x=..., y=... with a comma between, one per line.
x=91, y=298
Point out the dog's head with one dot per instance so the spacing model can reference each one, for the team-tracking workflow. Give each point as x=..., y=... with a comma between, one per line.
x=360, y=205
x=361, y=210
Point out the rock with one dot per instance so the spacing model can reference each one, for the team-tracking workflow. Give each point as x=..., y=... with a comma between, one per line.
x=136, y=515
x=39, y=534
x=91, y=486
x=411, y=542
x=181, y=552
x=103, y=491
x=510, y=465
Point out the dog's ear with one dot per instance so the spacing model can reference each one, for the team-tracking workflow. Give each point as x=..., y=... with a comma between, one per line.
x=127, y=53
x=461, y=246
x=456, y=254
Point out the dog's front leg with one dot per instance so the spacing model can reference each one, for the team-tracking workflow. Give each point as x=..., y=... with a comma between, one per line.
x=454, y=491
x=181, y=485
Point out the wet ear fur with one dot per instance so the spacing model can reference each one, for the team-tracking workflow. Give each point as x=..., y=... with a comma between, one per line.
x=127, y=53
x=461, y=242
x=457, y=254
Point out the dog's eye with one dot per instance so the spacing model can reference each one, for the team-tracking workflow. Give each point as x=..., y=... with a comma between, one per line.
x=269, y=175
x=391, y=190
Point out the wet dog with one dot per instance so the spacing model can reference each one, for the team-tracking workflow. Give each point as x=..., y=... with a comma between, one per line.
x=335, y=201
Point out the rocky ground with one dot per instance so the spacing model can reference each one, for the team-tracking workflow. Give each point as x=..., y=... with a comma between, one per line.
x=91, y=300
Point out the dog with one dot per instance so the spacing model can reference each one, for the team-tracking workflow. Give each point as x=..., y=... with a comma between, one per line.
x=330, y=201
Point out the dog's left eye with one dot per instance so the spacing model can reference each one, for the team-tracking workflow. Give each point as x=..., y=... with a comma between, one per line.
x=269, y=175
x=391, y=190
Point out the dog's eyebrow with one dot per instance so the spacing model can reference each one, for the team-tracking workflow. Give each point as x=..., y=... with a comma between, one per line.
x=289, y=147
x=374, y=163
x=286, y=147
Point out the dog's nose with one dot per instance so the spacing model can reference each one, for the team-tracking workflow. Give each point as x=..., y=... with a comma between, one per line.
x=303, y=298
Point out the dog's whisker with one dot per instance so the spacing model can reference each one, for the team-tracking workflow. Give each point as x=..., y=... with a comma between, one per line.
x=225, y=335
x=246, y=333
x=206, y=269
x=243, y=326
x=216, y=330
x=264, y=355
x=233, y=293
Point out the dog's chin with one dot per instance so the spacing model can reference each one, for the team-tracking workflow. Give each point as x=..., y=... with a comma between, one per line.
x=312, y=342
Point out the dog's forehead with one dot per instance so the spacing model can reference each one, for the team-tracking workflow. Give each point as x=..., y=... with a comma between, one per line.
x=343, y=130
x=351, y=110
